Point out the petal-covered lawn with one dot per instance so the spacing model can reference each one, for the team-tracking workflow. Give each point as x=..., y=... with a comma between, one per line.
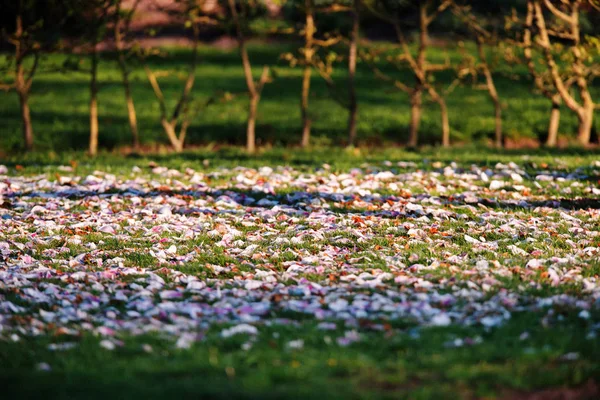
x=390, y=279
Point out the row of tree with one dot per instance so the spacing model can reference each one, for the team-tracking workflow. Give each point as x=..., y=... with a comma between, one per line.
x=544, y=36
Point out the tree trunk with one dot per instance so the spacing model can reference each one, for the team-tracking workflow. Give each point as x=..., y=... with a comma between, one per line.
x=250, y=129
x=586, y=120
x=491, y=87
x=26, y=121
x=353, y=107
x=585, y=107
x=309, y=31
x=253, y=92
x=93, y=147
x=445, y=122
x=416, y=96
x=118, y=34
x=416, y=102
x=172, y=135
x=552, y=139
x=538, y=79
x=306, y=121
x=131, y=114
x=170, y=125
x=22, y=84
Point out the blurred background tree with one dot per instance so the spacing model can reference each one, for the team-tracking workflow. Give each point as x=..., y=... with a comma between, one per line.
x=434, y=52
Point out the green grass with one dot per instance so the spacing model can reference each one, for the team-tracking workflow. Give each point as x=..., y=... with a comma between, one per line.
x=522, y=356
x=416, y=364
x=59, y=105
x=210, y=159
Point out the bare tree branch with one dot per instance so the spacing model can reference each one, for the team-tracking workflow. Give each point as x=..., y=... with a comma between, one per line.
x=383, y=76
x=29, y=77
x=440, y=9
x=157, y=91
x=189, y=83
x=558, y=13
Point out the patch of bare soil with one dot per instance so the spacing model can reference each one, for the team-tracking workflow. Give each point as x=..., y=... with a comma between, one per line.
x=521, y=143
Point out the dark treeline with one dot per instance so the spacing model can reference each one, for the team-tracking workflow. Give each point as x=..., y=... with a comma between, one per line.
x=555, y=41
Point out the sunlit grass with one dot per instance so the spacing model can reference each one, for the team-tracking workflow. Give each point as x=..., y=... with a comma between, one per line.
x=59, y=104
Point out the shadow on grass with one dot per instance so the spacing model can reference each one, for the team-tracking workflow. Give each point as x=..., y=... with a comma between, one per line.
x=299, y=202
x=339, y=159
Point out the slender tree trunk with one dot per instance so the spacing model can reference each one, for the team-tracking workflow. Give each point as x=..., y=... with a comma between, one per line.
x=26, y=120
x=416, y=97
x=497, y=106
x=586, y=120
x=250, y=129
x=93, y=146
x=416, y=103
x=179, y=141
x=172, y=135
x=552, y=139
x=585, y=107
x=306, y=120
x=131, y=113
x=444, y=115
x=250, y=84
x=556, y=98
x=251, y=124
x=491, y=87
x=309, y=31
x=22, y=88
x=353, y=106
x=423, y=36
x=22, y=84
x=170, y=125
x=118, y=33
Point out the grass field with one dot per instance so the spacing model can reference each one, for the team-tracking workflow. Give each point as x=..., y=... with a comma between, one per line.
x=324, y=274
x=59, y=105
